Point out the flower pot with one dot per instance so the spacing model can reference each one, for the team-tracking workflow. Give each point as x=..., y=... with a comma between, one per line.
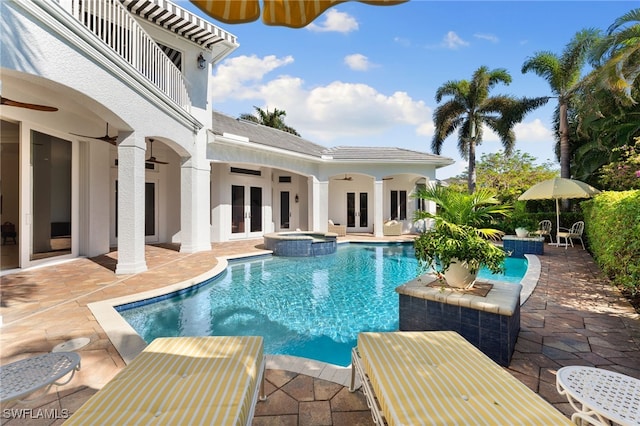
x=458, y=275
x=522, y=232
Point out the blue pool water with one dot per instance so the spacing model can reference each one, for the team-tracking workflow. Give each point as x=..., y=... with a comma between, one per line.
x=309, y=307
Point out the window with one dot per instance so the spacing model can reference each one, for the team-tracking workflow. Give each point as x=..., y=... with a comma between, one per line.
x=242, y=171
x=398, y=205
x=284, y=179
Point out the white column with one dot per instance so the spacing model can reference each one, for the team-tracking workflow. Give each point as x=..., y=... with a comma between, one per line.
x=195, y=230
x=131, y=200
x=319, y=204
x=378, y=215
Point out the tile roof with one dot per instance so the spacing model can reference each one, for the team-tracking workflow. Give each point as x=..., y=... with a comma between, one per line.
x=383, y=154
x=263, y=135
x=274, y=138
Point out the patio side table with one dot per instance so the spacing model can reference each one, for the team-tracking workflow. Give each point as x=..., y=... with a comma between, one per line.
x=600, y=396
x=26, y=376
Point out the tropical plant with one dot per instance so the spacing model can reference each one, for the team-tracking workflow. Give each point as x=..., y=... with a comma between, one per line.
x=477, y=210
x=616, y=57
x=459, y=232
x=471, y=108
x=270, y=119
x=563, y=75
x=623, y=174
x=447, y=243
x=605, y=107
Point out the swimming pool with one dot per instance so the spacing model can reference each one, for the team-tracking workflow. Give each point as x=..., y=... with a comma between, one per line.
x=308, y=307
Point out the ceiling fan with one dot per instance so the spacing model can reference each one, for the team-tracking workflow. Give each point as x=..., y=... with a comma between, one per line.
x=345, y=178
x=111, y=139
x=9, y=102
x=152, y=159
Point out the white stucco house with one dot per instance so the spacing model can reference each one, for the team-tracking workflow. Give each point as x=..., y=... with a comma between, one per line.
x=134, y=154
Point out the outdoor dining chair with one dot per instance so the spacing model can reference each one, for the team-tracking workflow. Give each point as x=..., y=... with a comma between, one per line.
x=570, y=234
x=544, y=230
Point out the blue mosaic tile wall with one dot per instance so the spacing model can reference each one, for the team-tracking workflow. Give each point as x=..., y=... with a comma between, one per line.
x=519, y=248
x=495, y=335
x=302, y=248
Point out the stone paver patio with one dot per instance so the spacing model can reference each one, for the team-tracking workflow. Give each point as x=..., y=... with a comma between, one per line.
x=573, y=317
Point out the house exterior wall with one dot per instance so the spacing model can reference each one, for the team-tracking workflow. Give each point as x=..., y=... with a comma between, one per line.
x=60, y=63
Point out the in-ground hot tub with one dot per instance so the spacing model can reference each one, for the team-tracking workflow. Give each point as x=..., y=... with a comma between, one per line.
x=301, y=243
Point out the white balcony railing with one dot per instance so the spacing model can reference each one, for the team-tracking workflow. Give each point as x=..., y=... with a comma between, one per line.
x=113, y=24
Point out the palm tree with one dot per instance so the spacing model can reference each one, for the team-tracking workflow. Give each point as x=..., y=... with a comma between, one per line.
x=470, y=108
x=563, y=75
x=616, y=56
x=270, y=119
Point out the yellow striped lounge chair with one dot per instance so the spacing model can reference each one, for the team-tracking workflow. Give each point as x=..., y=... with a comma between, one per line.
x=183, y=380
x=438, y=378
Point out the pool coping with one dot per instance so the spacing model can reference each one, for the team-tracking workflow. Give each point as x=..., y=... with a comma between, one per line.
x=129, y=344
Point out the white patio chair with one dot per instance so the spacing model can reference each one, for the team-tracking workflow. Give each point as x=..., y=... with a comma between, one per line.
x=544, y=230
x=570, y=234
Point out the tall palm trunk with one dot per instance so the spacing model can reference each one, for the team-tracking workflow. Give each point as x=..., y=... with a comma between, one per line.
x=565, y=161
x=471, y=183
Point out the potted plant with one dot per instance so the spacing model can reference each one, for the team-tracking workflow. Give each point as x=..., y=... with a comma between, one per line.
x=458, y=244
x=523, y=225
x=455, y=253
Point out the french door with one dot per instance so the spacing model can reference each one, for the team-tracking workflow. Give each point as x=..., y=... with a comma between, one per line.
x=285, y=210
x=246, y=211
x=358, y=211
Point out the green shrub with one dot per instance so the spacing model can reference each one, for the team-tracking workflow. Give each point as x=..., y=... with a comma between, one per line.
x=612, y=225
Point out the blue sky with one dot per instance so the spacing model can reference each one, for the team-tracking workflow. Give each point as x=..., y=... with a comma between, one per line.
x=364, y=75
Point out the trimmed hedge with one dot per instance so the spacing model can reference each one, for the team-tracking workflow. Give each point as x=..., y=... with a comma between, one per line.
x=612, y=225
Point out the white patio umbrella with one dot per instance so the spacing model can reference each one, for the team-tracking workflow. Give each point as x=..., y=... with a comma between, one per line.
x=556, y=189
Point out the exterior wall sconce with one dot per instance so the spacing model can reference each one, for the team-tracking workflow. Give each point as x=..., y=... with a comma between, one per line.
x=297, y=198
x=202, y=63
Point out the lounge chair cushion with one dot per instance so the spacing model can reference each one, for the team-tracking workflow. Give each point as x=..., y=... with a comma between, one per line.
x=182, y=380
x=439, y=378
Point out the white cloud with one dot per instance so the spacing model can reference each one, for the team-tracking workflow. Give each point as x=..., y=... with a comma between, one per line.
x=358, y=62
x=426, y=129
x=452, y=41
x=335, y=21
x=323, y=113
x=533, y=131
x=489, y=37
x=237, y=77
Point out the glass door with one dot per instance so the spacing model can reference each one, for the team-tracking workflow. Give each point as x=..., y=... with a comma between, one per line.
x=255, y=211
x=246, y=215
x=51, y=196
x=358, y=211
x=285, y=210
x=150, y=212
x=237, y=210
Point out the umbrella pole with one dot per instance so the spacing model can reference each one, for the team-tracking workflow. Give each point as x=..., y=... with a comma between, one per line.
x=557, y=221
